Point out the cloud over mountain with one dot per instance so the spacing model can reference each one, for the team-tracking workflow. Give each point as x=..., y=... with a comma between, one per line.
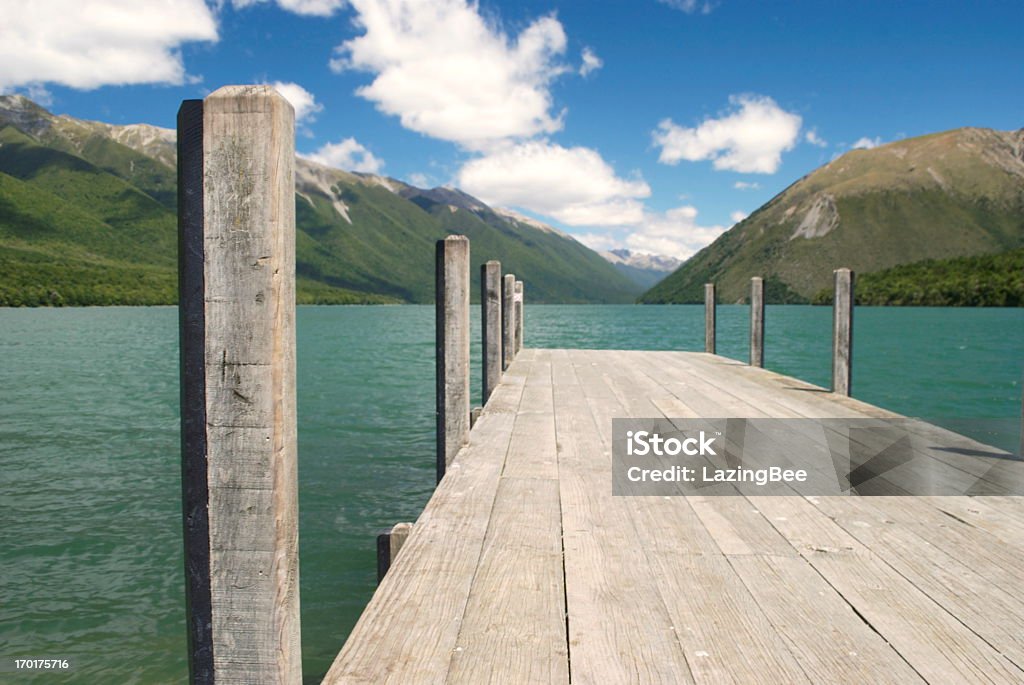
x=574, y=185
x=444, y=71
x=750, y=138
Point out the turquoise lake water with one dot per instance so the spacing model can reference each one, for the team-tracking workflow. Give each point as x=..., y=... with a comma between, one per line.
x=91, y=542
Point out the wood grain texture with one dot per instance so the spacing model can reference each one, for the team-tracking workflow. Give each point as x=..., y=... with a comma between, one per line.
x=842, y=333
x=490, y=326
x=757, y=321
x=389, y=544
x=525, y=568
x=532, y=452
x=409, y=631
x=451, y=348
x=513, y=630
x=248, y=383
x=508, y=319
x=619, y=628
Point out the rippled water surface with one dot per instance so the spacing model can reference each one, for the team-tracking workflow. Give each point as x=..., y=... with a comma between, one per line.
x=90, y=544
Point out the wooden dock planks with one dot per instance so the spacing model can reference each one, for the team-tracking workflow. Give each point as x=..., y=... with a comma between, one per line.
x=523, y=568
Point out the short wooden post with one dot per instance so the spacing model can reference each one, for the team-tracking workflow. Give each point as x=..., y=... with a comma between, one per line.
x=236, y=232
x=452, y=353
x=389, y=544
x=490, y=325
x=842, y=333
x=508, y=320
x=757, y=321
x=519, y=315
x=709, y=318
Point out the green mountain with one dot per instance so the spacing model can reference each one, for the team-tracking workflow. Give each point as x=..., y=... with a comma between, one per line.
x=87, y=216
x=952, y=194
x=980, y=281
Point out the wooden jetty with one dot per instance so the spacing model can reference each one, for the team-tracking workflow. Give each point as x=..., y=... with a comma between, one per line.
x=523, y=567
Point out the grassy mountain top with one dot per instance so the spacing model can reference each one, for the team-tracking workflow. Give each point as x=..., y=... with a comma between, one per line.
x=87, y=216
x=950, y=194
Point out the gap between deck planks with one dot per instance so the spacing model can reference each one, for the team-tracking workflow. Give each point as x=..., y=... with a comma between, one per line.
x=523, y=568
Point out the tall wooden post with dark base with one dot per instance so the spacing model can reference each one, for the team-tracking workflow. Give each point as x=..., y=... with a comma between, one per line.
x=842, y=333
x=452, y=348
x=236, y=226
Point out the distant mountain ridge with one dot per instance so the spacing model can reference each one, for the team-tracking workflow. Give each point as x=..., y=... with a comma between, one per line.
x=944, y=195
x=359, y=238
x=644, y=269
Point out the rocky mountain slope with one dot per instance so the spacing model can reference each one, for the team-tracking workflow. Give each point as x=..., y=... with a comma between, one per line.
x=644, y=269
x=87, y=216
x=951, y=194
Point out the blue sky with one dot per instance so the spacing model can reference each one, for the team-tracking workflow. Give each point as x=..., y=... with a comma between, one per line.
x=649, y=124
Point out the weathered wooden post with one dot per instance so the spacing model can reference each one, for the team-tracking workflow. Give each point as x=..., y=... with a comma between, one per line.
x=389, y=544
x=452, y=341
x=236, y=231
x=757, y=321
x=709, y=318
x=508, y=320
x=490, y=325
x=842, y=332
x=519, y=315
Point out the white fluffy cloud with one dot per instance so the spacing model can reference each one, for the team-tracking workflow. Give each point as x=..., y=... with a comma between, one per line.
x=866, y=143
x=102, y=42
x=304, y=102
x=674, y=233
x=448, y=73
x=738, y=216
x=591, y=62
x=813, y=138
x=349, y=155
x=573, y=185
x=314, y=8
x=746, y=185
x=749, y=139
